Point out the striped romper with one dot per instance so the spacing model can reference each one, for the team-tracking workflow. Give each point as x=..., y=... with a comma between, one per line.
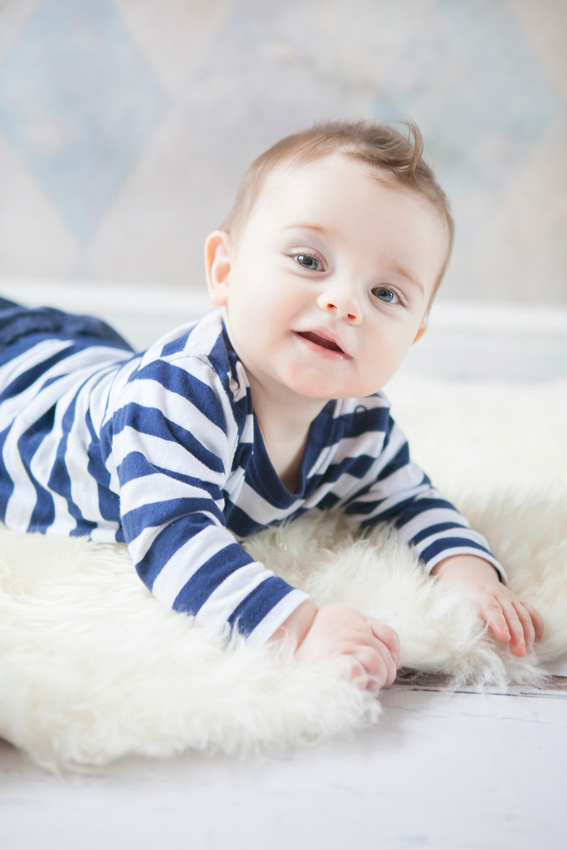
x=161, y=450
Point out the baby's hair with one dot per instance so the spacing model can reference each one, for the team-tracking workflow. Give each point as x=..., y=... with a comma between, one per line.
x=380, y=146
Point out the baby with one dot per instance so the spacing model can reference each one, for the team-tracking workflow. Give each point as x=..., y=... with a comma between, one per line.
x=271, y=406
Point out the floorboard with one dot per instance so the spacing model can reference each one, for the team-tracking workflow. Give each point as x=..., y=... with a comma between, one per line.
x=442, y=769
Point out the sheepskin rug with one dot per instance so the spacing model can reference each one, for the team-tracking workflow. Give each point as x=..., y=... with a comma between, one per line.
x=93, y=668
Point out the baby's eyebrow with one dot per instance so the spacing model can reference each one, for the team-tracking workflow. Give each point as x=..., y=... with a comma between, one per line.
x=410, y=279
x=302, y=226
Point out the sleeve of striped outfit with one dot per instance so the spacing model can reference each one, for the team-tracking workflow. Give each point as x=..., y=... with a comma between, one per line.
x=174, y=437
x=400, y=493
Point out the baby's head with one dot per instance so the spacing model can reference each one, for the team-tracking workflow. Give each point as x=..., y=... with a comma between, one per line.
x=394, y=155
x=327, y=264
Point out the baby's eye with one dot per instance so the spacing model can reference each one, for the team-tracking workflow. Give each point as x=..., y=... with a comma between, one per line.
x=308, y=262
x=385, y=294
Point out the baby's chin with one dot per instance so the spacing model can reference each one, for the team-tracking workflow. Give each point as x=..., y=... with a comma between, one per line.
x=334, y=394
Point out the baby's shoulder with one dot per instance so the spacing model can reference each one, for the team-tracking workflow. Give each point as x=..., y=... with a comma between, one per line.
x=196, y=361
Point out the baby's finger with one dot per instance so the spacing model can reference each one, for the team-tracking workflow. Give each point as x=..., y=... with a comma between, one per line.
x=526, y=621
x=354, y=671
x=378, y=664
x=386, y=635
x=536, y=620
x=391, y=660
x=492, y=613
x=373, y=664
x=518, y=645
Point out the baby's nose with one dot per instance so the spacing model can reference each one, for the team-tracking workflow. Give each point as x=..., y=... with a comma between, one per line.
x=342, y=306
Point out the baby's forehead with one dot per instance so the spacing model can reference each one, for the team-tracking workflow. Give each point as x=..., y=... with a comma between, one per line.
x=331, y=165
x=322, y=182
x=301, y=181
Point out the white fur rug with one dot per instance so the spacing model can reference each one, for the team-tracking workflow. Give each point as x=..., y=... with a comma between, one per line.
x=93, y=668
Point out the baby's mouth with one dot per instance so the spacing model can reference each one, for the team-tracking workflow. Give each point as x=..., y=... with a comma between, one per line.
x=322, y=341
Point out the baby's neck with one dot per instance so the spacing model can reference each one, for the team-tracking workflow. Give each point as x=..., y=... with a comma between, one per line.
x=285, y=424
x=286, y=456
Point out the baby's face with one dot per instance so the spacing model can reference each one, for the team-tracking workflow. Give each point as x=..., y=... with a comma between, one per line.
x=329, y=282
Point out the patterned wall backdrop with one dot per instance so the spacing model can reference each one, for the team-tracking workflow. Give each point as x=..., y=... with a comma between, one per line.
x=126, y=124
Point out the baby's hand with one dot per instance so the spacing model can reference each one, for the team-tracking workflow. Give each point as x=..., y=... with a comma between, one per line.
x=370, y=650
x=510, y=620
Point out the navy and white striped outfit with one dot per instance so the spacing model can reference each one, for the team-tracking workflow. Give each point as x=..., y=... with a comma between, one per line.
x=162, y=450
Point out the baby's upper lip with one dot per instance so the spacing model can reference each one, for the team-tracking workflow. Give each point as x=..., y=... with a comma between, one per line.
x=325, y=338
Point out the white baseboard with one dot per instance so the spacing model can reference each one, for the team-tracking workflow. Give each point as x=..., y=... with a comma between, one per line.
x=140, y=314
x=470, y=340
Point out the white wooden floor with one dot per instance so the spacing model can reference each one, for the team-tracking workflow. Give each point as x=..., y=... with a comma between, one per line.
x=462, y=771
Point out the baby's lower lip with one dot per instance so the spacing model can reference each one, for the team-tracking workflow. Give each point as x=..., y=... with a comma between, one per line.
x=320, y=349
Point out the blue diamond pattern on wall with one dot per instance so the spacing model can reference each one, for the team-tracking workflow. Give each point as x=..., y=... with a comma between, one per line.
x=480, y=96
x=79, y=102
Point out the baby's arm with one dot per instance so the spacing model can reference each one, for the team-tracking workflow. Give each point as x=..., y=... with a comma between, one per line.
x=174, y=436
x=441, y=537
x=511, y=620
x=370, y=650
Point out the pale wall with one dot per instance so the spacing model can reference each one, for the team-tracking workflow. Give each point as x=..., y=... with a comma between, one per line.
x=126, y=124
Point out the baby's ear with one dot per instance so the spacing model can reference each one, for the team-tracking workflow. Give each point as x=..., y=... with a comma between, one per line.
x=421, y=331
x=218, y=252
